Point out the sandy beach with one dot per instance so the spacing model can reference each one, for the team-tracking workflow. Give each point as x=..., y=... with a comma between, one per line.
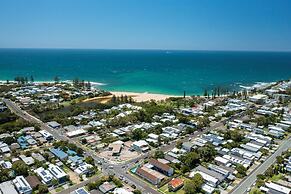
x=141, y=97
x=137, y=97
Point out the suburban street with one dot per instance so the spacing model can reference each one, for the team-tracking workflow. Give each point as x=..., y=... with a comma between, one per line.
x=116, y=169
x=82, y=184
x=120, y=170
x=106, y=167
x=252, y=177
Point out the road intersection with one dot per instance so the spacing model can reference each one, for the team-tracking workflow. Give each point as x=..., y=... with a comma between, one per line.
x=121, y=169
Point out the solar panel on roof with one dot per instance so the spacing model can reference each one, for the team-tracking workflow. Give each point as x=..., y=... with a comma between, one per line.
x=81, y=191
x=23, y=182
x=43, y=173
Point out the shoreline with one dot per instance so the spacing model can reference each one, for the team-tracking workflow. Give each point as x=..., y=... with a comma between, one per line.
x=146, y=96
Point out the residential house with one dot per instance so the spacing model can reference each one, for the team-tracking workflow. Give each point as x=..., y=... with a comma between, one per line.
x=107, y=187
x=221, y=161
x=4, y=148
x=48, y=136
x=54, y=124
x=81, y=190
x=83, y=169
x=45, y=176
x=38, y=156
x=140, y=146
x=121, y=191
x=175, y=184
x=150, y=175
x=58, y=173
x=161, y=167
x=59, y=153
x=188, y=146
x=33, y=181
x=7, y=188
x=211, y=177
x=27, y=159
x=259, y=98
x=22, y=185
x=275, y=188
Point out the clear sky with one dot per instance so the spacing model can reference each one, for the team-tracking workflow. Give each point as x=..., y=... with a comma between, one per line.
x=146, y=24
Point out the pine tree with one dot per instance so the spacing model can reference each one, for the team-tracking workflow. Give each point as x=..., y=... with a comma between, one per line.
x=126, y=99
x=89, y=85
x=205, y=93
x=56, y=79
x=113, y=99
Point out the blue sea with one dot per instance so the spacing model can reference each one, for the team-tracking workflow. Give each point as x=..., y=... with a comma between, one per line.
x=156, y=71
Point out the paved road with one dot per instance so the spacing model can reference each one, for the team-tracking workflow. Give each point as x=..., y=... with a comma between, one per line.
x=252, y=177
x=82, y=184
x=117, y=169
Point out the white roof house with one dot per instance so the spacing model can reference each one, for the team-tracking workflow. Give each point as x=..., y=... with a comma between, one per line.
x=7, y=187
x=22, y=185
x=278, y=188
x=254, y=145
x=4, y=148
x=27, y=160
x=275, y=128
x=256, y=137
x=238, y=160
x=45, y=175
x=46, y=134
x=140, y=145
x=121, y=191
x=76, y=133
x=259, y=98
x=6, y=164
x=54, y=124
x=56, y=171
x=83, y=169
x=210, y=180
x=153, y=136
x=207, y=188
x=286, y=122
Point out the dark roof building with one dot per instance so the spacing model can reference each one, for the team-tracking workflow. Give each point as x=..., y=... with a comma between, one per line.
x=33, y=181
x=161, y=167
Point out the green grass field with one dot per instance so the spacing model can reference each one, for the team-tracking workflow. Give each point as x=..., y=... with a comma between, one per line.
x=164, y=189
x=276, y=177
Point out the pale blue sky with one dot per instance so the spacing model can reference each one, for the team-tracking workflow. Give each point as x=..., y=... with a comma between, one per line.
x=146, y=24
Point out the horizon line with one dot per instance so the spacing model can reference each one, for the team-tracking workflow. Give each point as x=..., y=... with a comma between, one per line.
x=143, y=49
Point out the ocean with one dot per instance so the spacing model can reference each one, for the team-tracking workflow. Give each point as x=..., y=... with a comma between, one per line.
x=154, y=71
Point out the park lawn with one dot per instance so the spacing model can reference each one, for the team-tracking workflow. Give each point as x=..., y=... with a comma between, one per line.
x=66, y=169
x=164, y=189
x=59, y=189
x=66, y=103
x=276, y=177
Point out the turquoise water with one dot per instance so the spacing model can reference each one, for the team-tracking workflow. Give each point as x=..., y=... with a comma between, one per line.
x=169, y=72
